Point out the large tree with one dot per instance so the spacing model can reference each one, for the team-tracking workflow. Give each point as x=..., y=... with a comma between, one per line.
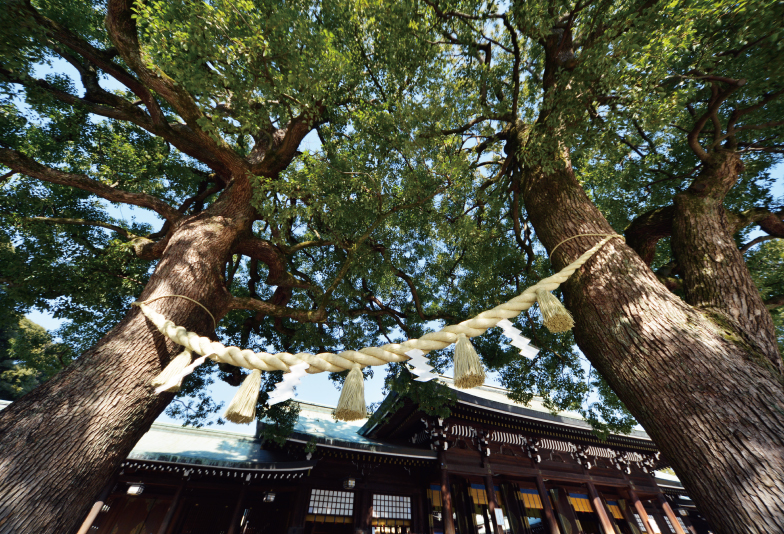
x=191, y=111
x=456, y=141
x=664, y=119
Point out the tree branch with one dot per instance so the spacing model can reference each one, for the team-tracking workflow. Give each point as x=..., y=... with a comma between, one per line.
x=290, y=251
x=273, y=258
x=200, y=197
x=274, y=310
x=59, y=220
x=381, y=249
x=121, y=26
x=770, y=221
x=273, y=153
x=119, y=109
x=774, y=302
x=106, y=104
x=755, y=241
x=738, y=113
x=694, y=135
x=645, y=231
x=465, y=127
x=18, y=162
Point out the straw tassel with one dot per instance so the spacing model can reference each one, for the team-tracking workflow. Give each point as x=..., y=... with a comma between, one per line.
x=351, y=405
x=242, y=409
x=175, y=367
x=554, y=316
x=469, y=372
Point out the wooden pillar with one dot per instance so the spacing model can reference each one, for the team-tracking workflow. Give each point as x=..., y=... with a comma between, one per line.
x=421, y=524
x=601, y=511
x=665, y=506
x=172, y=508
x=640, y=510
x=626, y=512
x=302, y=500
x=367, y=512
x=237, y=515
x=446, y=495
x=565, y=508
x=492, y=503
x=549, y=515
x=96, y=509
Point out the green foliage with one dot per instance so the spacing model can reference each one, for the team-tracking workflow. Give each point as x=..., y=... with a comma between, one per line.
x=279, y=422
x=28, y=357
x=766, y=264
x=408, y=213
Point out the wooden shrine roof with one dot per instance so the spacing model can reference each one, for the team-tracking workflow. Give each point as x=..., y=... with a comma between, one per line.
x=187, y=446
x=490, y=406
x=316, y=423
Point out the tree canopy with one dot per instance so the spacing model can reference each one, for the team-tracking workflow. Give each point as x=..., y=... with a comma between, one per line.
x=412, y=209
x=397, y=221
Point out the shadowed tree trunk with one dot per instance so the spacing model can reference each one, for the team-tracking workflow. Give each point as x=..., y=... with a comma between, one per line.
x=63, y=440
x=702, y=376
x=704, y=389
x=716, y=279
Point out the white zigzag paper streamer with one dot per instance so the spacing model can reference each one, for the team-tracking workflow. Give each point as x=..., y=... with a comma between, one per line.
x=284, y=390
x=177, y=379
x=518, y=340
x=421, y=365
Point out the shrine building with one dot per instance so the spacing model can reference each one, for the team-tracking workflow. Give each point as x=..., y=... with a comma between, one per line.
x=491, y=467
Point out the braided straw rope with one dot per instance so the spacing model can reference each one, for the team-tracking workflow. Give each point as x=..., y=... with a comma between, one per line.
x=345, y=360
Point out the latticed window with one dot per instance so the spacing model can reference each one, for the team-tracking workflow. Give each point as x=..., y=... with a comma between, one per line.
x=683, y=525
x=640, y=523
x=391, y=511
x=532, y=507
x=330, y=506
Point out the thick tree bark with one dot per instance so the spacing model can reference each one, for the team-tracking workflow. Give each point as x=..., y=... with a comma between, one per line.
x=61, y=442
x=699, y=376
x=714, y=407
x=716, y=279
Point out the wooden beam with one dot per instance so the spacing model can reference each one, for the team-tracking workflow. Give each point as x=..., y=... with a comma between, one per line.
x=665, y=506
x=235, y=517
x=446, y=495
x=626, y=512
x=528, y=472
x=640, y=510
x=601, y=511
x=172, y=508
x=565, y=508
x=549, y=514
x=492, y=503
x=96, y=509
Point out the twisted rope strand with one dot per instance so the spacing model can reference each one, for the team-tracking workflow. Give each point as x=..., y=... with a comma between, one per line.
x=581, y=235
x=369, y=356
x=203, y=307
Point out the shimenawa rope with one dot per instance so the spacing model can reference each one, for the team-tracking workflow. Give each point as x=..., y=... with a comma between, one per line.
x=369, y=356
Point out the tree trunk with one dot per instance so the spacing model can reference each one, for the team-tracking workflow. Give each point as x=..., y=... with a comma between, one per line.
x=715, y=277
x=714, y=407
x=60, y=443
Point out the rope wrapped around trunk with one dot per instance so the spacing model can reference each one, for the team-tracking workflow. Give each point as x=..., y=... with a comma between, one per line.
x=369, y=356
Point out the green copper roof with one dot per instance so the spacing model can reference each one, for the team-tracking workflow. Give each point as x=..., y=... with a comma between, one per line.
x=316, y=423
x=203, y=446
